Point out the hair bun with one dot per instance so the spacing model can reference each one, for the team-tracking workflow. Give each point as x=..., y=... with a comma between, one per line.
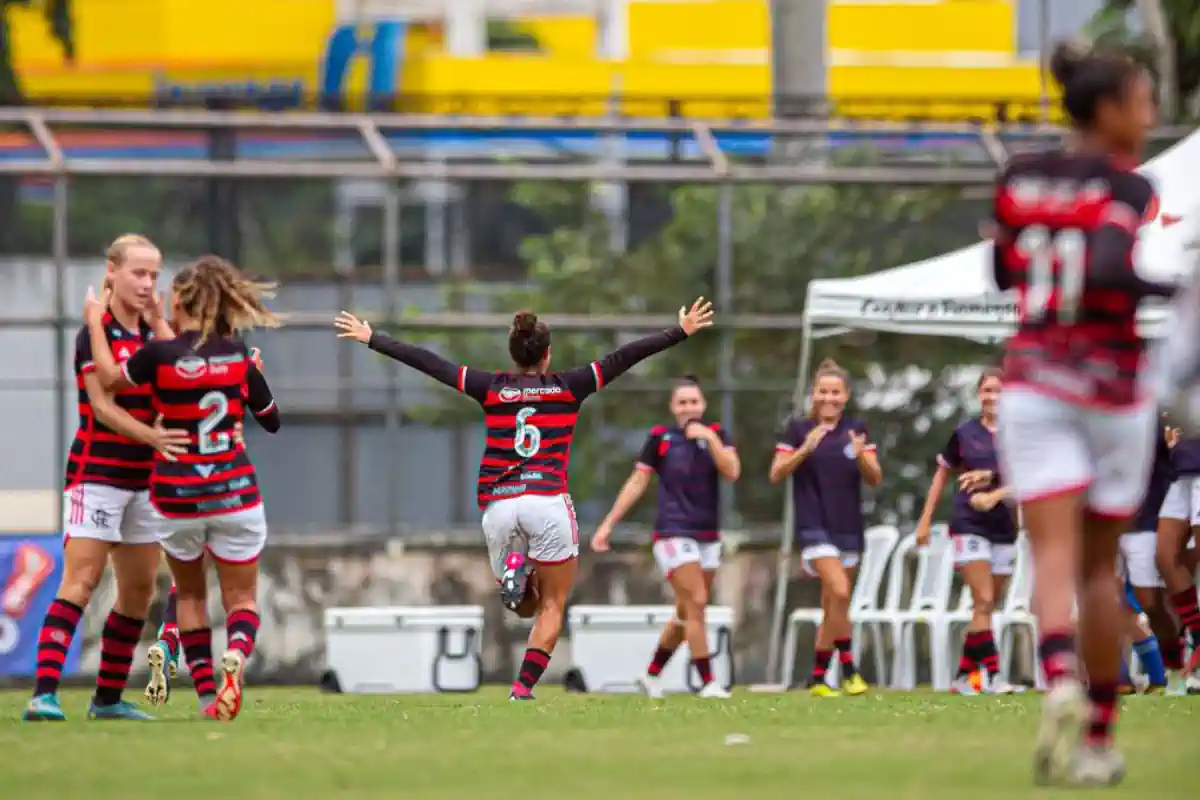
x=1065, y=60
x=525, y=322
x=690, y=378
x=828, y=364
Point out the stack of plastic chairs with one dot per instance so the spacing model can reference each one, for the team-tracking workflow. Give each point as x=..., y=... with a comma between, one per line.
x=928, y=607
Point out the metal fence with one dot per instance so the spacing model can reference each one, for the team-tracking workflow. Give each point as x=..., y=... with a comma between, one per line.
x=372, y=214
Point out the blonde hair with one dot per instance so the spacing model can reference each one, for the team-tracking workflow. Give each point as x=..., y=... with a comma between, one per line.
x=118, y=251
x=223, y=300
x=827, y=369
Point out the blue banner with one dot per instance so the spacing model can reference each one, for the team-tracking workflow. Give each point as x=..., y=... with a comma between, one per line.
x=30, y=571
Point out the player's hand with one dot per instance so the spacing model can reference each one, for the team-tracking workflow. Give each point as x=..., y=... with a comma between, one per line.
x=155, y=309
x=814, y=438
x=984, y=501
x=700, y=315
x=169, y=441
x=695, y=429
x=256, y=357
x=858, y=441
x=923, y=533
x=1172, y=436
x=602, y=540
x=351, y=327
x=95, y=307
x=975, y=480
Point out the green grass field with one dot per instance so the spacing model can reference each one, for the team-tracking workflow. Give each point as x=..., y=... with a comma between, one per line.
x=297, y=743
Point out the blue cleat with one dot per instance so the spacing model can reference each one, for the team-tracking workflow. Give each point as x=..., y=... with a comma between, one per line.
x=44, y=708
x=120, y=710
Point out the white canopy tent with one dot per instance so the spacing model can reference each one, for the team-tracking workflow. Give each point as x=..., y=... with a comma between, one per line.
x=954, y=295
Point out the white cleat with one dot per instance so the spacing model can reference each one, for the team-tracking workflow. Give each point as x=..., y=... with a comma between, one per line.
x=651, y=685
x=1000, y=686
x=157, y=689
x=962, y=687
x=1064, y=712
x=1093, y=766
x=714, y=691
x=229, y=693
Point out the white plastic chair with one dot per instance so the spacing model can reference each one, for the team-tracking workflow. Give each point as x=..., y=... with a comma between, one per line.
x=928, y=607
x=876, y=622
x=880, y=540
x=1017, y=612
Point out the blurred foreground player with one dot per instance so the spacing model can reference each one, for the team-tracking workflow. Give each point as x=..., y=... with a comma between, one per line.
x=1076, y=436
x=690, y=458
x=203, y=382
x=530, y=415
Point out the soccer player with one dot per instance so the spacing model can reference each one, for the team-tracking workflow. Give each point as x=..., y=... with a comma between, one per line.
x=529, y=414
x=984, y=532
x=1178, y=521
x=209, y=499
x=107, y=498
x=1145, y=645
x=162, y=658
x=690, y=458
x=1075, y=434
x=830, y=458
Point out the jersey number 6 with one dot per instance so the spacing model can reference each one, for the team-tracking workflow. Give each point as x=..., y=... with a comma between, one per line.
x=528, y=438
x=217, y=406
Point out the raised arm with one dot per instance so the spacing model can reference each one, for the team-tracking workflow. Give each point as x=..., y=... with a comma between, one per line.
x=583, y=381
x=261, y=402
x=470, y=382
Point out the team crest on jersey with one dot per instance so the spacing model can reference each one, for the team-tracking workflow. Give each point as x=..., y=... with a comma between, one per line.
x=509, y=395
x=124, y=351
x=191, y=367
x=849, y=450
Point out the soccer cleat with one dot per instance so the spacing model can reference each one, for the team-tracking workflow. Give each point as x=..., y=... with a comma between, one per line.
x=964, y=686
x=1064, y=711
x=1192, y=685
x=44, y=708
x=515, y=580
x=1155, y=689
x=158, y=659
x=998, y=686
x=519, y=692
x=822, y=689
x=172, y=654
x=854, y=686
x=1094, y=766
x=229, y=694
x=714, y=691
x=1126, y=689
x=119, y=710
x=651, y=685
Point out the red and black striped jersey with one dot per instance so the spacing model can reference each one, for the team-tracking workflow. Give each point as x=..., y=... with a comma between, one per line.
x=1066, y=229
x=529, y=419
x=98, y=453
x=205, y=391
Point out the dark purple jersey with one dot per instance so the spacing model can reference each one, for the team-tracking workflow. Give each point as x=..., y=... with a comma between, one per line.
x=1162, y=475
x=1185, y=457
x=827, y=487
x=689, y=485
x=972, y=446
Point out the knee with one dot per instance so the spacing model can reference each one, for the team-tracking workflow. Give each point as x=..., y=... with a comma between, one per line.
x=80, y=578
x=837, y=591
x=695, y=600
x=985, y=603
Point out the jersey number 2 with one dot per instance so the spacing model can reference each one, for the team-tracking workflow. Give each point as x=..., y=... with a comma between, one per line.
x=528, y=438
x=1042, y=248
x=217, y=406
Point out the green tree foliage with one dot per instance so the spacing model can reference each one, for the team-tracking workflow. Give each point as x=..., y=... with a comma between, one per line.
x=1112, y=26
x=783, y=237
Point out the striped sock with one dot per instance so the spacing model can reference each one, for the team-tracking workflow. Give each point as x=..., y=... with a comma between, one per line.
x=54, y=640
x=197, y=649
x=118, y=641
x=241, y=631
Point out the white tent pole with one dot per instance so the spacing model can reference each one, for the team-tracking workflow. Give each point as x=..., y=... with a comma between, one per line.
x=786, y=536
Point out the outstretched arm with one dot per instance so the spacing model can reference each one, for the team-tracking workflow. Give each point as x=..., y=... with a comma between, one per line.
x=468, y=381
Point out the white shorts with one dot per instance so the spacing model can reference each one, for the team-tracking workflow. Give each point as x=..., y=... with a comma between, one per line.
x=970, y=547
x=671, y=554
x=1183, y=500
x=1049, y=447
x=236, y=538
x=543, y=527
x=109, y=514
x=1137, y=556
x=818, y=551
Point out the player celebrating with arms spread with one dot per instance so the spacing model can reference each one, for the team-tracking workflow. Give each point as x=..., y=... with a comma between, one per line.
x=690, y=460
x=528, y=519
x=1076, y=438
x=208, y=500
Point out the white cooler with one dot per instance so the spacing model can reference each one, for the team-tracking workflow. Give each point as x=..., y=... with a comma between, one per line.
x=405, y=649
x=612, y=647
